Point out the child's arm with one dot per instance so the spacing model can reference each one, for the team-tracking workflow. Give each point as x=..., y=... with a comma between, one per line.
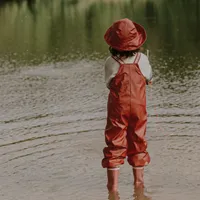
x=146, y=69
x=149, y=82
x=111, y=69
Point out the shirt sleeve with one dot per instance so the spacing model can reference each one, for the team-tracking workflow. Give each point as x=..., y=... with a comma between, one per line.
x=111, y=69
x=145, y=67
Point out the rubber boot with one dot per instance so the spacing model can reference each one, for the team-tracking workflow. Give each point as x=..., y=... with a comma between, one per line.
x=112, y=175
x=138, y=174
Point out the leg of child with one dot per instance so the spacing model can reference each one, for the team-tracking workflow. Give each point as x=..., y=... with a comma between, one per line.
x=112, y=183
x=115, y=152
x=138, y=157
x=115, y=137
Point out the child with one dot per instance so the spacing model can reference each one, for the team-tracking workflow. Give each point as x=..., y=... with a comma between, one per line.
x=126, y=73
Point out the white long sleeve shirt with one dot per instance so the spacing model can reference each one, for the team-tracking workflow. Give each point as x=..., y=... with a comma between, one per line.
x=112, y=67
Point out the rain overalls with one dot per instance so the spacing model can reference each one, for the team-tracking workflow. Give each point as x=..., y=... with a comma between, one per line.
x=127, y=118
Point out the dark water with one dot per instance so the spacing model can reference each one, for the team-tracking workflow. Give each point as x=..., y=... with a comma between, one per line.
x=53, y=98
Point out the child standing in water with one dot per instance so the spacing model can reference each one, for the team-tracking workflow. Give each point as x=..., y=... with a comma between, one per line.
x=127, y=72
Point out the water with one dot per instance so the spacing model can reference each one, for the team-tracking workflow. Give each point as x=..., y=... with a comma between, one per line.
x=53, y=98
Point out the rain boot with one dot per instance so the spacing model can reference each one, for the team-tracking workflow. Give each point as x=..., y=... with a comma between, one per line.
x=138, y=173
x=112, y=175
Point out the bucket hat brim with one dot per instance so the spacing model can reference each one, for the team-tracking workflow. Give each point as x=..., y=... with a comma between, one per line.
x=128, y=43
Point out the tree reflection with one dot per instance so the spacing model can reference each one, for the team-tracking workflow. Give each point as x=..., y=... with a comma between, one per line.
x=62, y=26
x=151, y=13
x=30, y=4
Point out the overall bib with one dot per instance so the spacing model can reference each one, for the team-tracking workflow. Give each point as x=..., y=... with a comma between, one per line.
x=127, y=118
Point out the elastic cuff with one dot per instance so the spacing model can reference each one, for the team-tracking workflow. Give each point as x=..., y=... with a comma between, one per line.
x=114, y=168
x=138, y=167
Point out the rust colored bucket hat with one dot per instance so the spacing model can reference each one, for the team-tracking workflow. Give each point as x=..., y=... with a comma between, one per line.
x=125, y=35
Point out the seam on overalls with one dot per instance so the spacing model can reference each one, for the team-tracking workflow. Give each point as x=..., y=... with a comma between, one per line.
x=136, y=60
x=130, y=77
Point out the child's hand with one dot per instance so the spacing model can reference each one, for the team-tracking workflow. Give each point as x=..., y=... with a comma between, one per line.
x=149, y=82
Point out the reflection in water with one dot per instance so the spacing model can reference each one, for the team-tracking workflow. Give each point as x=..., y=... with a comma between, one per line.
x=71, y=29
x=139, y=194
x=151, y=14
x=114, y=196
x=30, y=4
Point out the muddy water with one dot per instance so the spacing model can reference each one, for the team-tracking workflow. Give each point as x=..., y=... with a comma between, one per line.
x=53, y=99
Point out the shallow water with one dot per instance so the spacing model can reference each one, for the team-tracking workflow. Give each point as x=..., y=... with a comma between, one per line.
x=53, y=99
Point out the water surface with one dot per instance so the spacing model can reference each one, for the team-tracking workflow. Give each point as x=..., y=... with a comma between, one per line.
x=53, y=98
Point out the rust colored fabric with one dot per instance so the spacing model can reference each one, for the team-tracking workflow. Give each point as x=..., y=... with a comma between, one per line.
x=125, y=35
x=127, y=118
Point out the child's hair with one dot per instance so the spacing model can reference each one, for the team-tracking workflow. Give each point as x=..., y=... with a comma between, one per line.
x=126, y=54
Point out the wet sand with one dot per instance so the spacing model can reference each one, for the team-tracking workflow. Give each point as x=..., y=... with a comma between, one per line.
x=51, y=136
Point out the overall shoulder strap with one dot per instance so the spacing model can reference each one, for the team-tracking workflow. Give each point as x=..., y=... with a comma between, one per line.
x=137, y=58
x=118, y=60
